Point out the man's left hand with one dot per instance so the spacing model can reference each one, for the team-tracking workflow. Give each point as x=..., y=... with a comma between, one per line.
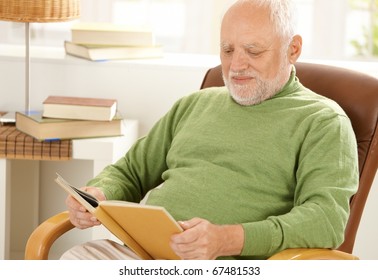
x=202, y=240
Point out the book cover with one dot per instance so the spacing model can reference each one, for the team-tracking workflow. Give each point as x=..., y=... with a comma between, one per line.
x=103, y=53
x=111, y=34
x=145, y=229
x=79, y=108
x=33, y=124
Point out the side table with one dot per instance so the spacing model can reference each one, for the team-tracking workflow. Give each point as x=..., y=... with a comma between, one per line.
x=101, y=151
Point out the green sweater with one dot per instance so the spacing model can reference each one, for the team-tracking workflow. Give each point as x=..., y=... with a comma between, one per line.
x=285, y=169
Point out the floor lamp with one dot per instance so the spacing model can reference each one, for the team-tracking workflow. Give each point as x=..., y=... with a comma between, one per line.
x=41, y=11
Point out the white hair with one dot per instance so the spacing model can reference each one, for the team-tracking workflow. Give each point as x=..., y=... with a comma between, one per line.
x=282, y=15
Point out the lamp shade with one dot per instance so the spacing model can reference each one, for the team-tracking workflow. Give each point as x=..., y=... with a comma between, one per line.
x=39, y=10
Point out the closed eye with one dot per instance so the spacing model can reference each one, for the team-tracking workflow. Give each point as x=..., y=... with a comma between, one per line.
x=227, y=51
x=254, y=52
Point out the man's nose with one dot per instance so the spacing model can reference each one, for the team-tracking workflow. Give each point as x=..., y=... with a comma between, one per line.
x=239, y=61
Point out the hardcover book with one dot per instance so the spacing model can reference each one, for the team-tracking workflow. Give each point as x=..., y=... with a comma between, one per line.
x=79, y=108
x=7, y=118
x=103, y=53
x=145, y=229
x=33, y=124
x=111, y=34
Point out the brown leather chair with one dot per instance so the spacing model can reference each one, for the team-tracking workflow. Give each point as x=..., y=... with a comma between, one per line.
x=356, y=93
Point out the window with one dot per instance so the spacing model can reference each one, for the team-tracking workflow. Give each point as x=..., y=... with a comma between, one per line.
x=363, y=26
x=337, y=29
x=179, y=25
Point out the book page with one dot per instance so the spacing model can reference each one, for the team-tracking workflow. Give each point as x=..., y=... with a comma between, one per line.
x=85, y=199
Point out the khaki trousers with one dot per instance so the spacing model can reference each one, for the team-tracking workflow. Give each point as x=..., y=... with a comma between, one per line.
x=100, y=250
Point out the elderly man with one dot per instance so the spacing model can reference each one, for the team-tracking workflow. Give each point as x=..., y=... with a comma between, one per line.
x=249, y=169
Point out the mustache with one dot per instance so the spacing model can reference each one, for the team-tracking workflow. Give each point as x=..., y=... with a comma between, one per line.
x=249, y=74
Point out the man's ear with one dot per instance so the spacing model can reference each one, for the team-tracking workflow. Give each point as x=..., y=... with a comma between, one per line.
x=295, y=49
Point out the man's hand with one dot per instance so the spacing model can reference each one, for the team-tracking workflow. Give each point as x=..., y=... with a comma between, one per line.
x=79, y=216
x=202, y=240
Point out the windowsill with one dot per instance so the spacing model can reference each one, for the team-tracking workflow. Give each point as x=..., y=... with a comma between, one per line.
x=58, y=54
x=16, y=52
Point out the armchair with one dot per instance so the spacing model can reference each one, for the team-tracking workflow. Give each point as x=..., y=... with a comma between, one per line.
x=355, y=92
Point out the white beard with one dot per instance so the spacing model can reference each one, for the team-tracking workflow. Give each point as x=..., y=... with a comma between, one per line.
x=262, y=90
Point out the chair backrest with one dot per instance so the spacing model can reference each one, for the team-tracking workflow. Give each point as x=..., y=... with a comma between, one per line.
x=357, y=94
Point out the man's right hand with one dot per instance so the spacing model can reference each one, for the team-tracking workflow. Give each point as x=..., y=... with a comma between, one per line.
x=79, y=216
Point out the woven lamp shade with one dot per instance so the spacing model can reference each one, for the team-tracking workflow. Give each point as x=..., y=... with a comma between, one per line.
x=39, y=10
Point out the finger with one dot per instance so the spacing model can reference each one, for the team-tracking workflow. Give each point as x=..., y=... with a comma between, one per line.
x=188, y=236
x=181, y=250
x=73, y=204
x=184, y=248
x=190, y=223
x=96, y=192
x=189, y=252
x=192, y=231
x=83, y=219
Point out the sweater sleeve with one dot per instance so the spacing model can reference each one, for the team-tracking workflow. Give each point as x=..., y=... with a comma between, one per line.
x=140, y=170
x=327, y=177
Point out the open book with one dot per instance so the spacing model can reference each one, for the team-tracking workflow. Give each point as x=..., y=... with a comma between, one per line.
x=145, y=229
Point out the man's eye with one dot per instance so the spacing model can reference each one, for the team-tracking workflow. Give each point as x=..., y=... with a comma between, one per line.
x=254, y=53
x=227, y=51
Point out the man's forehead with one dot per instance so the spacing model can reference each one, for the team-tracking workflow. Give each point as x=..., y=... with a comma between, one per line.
x=249, y=41
x=248, y=33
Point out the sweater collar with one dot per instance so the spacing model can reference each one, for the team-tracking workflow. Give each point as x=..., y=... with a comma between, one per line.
x=291, y=85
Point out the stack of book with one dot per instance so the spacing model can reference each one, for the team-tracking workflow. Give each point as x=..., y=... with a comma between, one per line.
x=105, y=41
x=65, y=117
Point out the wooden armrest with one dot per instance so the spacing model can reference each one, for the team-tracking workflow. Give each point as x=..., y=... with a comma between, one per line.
x=42, y=238
x=312, y=254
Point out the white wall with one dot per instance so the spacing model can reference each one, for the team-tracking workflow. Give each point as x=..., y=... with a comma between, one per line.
x=145, y=90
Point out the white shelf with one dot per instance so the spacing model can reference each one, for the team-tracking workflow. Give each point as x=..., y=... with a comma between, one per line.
x=100, y=151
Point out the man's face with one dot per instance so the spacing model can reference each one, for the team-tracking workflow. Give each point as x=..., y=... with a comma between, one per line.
x=254, y=59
